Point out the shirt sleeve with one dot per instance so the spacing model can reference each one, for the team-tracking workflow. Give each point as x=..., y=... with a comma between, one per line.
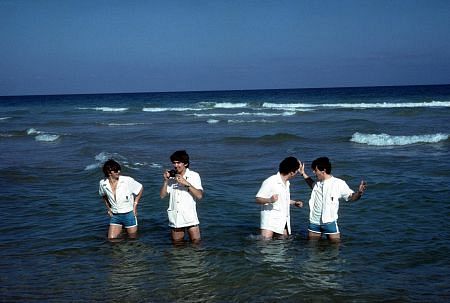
x=100, y=189
x=345, y=190
x=195, y=180
x=265, y=190
x=134, y=186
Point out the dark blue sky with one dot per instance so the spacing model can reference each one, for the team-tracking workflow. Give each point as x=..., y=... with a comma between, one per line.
x=62, y=47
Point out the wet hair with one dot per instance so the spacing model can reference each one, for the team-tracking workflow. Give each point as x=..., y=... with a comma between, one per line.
x=322, y=164
x=288, y=165
x=109, y=166
x=181, y=156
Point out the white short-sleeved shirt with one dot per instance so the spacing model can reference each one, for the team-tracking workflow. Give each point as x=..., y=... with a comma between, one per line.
x=324, y=201
x=126, y=189
x=182, y=211
x=275, y=216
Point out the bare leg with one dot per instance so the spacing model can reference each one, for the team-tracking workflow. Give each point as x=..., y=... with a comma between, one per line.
x=114, y=231
x=177, y=235
x=314, y=236
x=335, y=238
x=266, y=234
x=132, y=232
x=194, y=234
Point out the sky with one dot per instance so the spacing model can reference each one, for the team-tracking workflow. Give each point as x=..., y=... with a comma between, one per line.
x=80, y=47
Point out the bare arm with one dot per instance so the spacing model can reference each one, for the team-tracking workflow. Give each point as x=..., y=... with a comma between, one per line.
x=163, y=190
x=307, y=179
x=361, y=189
x=136, y=200
x=108, y=206
x=260, y=200
x=196, y=193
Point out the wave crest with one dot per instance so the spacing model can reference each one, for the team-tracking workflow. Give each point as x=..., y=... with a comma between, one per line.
x=106, y=109
x=388, y=140
x=46, y=138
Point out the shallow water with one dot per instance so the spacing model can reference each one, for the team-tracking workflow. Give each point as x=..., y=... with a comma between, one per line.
x=395, y=240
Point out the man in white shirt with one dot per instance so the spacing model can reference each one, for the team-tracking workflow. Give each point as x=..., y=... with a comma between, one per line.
x=121, y=195
x=184, y=187
x=324, y=201
x=275, y=200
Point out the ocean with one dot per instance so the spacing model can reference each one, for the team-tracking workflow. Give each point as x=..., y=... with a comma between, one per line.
x=395, y=240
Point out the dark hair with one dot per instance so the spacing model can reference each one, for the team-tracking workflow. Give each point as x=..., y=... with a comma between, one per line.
x=181, y=156
x=322, y=164
x=288, y=165
x=109, y=166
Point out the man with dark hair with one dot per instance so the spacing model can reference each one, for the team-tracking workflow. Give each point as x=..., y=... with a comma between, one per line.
x=121, y=195
x=324, y=201
x=184, y=187
x=275, y=200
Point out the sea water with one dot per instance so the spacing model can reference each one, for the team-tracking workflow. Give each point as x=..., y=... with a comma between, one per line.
x=395, y=240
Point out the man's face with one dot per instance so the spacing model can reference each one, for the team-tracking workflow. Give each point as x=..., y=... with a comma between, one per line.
x=292, y=174
x=320, y=175
x=180, y=167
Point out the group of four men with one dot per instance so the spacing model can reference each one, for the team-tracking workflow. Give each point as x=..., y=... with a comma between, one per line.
x=122, y=194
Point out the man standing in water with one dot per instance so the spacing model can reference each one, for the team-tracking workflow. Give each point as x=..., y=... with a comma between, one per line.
x=121, y=195
x=184, y=188
x=324, y=201
x=275, y=199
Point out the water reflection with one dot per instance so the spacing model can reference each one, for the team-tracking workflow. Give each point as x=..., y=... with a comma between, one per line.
x=130, y=269
x=190, y=274
x=276, y=252
x=321, y=268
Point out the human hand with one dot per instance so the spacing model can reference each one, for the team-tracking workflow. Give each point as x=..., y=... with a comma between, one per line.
x=181, y=180
x=301, y=169
x=362, y=186
x=274, y=198
x=298, y=203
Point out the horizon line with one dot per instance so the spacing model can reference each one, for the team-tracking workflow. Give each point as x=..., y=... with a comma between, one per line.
x=218, y=90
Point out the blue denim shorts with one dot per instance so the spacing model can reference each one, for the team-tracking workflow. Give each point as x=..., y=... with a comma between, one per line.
x=326, y=228
x=127, y=219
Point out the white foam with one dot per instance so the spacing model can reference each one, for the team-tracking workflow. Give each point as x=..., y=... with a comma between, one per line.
x=32, y=131
x=4, y=118
x=287, y=106
x=169, y=109
x=212, y=115
x=154, y=109
x=103, y=156
x=46, y=138
x=309, y=106
x=92, y=166
x=212, y=121
x=388, y=140
x=260, y=114
x=106, y=109
x=124, y=124
x=234, y=121
x=230, y=105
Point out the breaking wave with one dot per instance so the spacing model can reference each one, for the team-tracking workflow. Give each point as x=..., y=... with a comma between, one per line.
x=388, y=140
